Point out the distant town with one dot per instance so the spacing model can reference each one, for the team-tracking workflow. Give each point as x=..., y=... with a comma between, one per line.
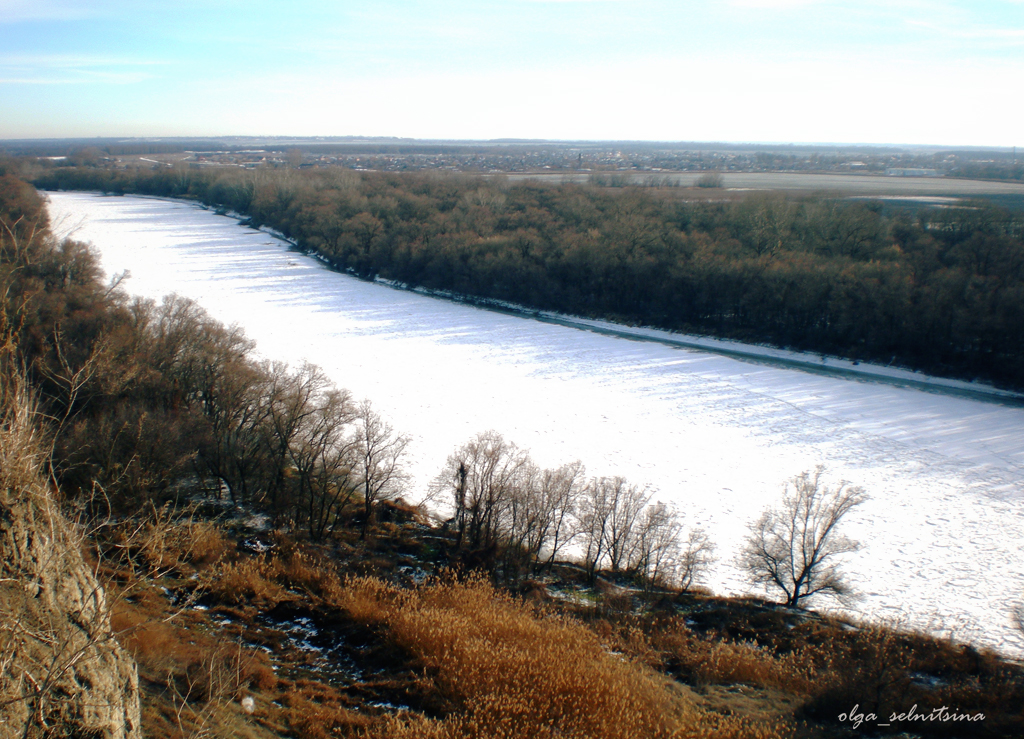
x=503, y=157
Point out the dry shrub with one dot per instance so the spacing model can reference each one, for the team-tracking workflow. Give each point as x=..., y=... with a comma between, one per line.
x=615, y=602
x=267, y=578
x=871, y=667
x=507, y=673
x=183, y=539
x=248, y=580
x=301, y=571
x=320, y=715
x=160, y=541
x=710, y=661
x=262, y=677
x=389, y=530
x=630, y=638
x=208, y=544
x=875, y=667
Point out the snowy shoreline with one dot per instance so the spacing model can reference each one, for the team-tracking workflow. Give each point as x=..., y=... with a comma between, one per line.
x=808, y=361
x=816, y=363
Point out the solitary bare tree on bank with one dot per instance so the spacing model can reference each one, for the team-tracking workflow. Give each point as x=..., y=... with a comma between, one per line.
x=795, y=548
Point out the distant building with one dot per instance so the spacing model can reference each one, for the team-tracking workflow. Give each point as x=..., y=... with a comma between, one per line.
x=911, y=172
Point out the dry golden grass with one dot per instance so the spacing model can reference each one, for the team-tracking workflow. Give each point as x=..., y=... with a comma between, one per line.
x=207, y=543
x=195, y=677
x=268, y=578
x=718, y=662
x=248, y=580
x=486, y=664
x=478, y=662
x=155, y=543
x=319, y=714
x=308, y=573
x=508, y=673
x=169, y=647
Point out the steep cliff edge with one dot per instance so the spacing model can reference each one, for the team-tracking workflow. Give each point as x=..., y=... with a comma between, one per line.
x=61, y=672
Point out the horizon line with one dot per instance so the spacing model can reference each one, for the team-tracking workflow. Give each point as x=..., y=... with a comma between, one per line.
x=347, y=138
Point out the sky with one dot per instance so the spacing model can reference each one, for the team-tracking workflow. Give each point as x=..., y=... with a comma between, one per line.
x=930, y=72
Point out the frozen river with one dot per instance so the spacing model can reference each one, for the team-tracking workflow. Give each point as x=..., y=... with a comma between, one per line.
x=943, y=531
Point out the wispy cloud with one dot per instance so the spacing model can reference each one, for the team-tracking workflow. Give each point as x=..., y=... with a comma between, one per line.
x=18, y=11
x=69, y=69
x=776, y=4
x=76, y=61
x=92, y=78
x=900, y=8
x=972, y=33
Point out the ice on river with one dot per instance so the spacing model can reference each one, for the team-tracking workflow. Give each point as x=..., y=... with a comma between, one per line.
x=943, y=531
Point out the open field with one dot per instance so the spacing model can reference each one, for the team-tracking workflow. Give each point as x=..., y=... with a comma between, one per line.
x=851, y=184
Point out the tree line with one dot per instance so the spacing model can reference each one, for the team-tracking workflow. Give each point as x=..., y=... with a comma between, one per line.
x=518, y=519
x=941, y=291
x=138, y=396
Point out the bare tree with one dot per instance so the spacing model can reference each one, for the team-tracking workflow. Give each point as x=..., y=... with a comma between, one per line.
x=292, y=401
x=559, y=493
x=379, y=453
x=237, y=450
x=628, y=504
x=481, y=476
x=836, y=227
x=609, y=524
x=662, y=556
x=693, y=560
x=521, y=517
x=595, y=511
x=324, y=456
x=764, y=223
x=711, y=180
x=795, y=548
x=657, y=536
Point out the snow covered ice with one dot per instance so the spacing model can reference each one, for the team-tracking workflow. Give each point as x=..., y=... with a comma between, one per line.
x=942, y=533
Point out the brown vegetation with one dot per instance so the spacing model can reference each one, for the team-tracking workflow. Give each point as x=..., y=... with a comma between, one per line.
x=506, y=672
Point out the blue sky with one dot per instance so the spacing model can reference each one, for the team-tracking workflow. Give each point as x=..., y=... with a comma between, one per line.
x=918, y=72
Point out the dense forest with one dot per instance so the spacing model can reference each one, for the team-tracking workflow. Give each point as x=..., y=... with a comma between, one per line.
x=940, y=290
